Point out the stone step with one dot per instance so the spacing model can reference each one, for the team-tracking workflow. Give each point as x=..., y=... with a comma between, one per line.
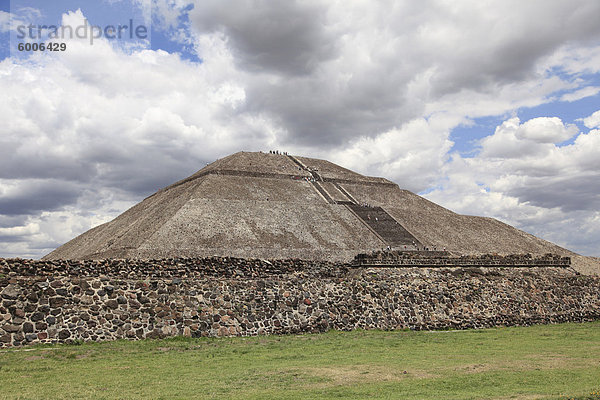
x=345, y=192
x=393, y=233
x=323, y=192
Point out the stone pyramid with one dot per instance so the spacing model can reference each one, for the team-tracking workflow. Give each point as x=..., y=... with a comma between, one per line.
x=263, y=205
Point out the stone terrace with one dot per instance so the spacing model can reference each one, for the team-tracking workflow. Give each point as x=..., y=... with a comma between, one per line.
x=63, y=301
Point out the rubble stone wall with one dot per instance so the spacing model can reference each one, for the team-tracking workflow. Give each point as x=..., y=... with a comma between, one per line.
x=66, y=301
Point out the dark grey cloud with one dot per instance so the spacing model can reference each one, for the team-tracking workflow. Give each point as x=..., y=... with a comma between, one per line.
x=568, y=194
x=317, y=113
x=31, y=197
x=143, y=175
x=8, y=221
x=13, y=238
x=463, y=46
x=139, y=170
x=510, y=41
x=45, y=166
x=289, y=37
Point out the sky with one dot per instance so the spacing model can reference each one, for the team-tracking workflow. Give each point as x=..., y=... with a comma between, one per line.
x=484, y=107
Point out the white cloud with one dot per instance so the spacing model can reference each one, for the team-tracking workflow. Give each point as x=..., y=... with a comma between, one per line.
x=593, y=121
x=548, y=190
x=582, y=93
x=166, y=13
x=573, y=59
x=532, y=139
x=412, y=154
x=28, y=229
x=4, y=21
x=546, y=130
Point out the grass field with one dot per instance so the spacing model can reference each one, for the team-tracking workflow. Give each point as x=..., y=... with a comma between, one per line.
x=555, y=361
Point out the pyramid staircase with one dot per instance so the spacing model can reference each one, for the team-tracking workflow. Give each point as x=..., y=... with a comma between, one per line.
x=394, y=234
x=315, y=181
x=382, y=224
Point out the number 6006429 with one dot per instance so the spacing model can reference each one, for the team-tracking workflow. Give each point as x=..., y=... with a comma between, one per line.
x=42, y=47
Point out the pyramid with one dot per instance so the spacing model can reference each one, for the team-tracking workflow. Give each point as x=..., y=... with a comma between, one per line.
x=264, y=205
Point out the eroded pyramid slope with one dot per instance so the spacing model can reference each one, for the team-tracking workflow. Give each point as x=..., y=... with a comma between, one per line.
x=277, y=206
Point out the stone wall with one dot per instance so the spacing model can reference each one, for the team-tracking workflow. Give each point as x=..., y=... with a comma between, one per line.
x=445, y=259
x=65, y=301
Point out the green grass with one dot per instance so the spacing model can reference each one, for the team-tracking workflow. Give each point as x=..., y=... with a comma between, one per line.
x=551, y=361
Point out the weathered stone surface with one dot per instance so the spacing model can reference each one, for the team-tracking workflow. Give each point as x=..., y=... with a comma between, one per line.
x=64, y=334
x=10, y=292
x=57, y=302
x=56, y=284
x=113, y=304
x=226, y=296
x=37, y=316
x=11, y=328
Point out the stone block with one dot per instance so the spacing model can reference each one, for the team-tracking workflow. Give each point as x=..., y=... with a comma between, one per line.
x=27, y=327
x=64, y=334
x=112, y=304
x=57, y=302
x=11, y=328
x=40, y=326
x=30, y=337
x=10, y=292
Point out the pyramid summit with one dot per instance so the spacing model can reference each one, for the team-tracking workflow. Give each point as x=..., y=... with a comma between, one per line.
x=267, y=205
